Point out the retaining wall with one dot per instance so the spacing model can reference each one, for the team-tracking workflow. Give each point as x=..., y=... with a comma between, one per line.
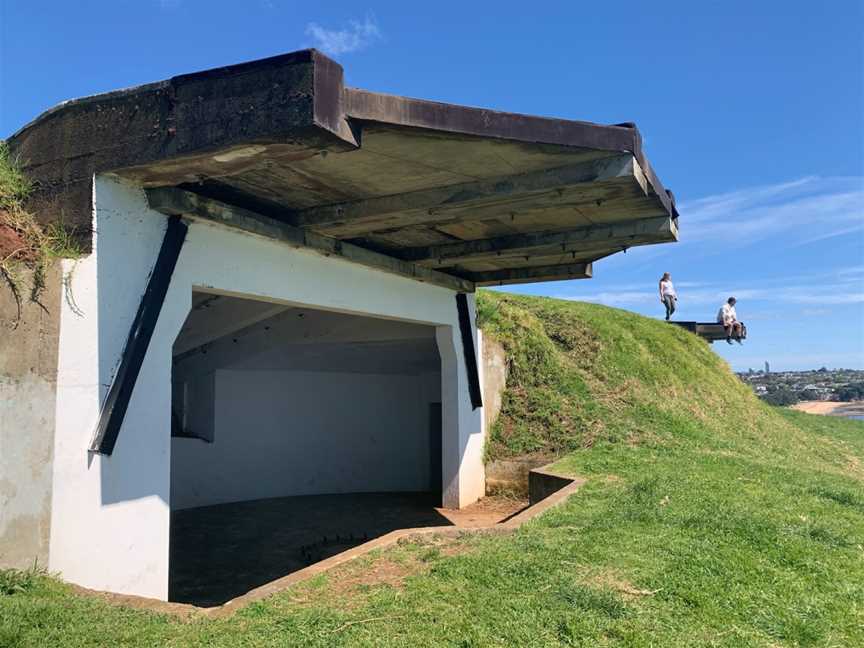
x=28, y=387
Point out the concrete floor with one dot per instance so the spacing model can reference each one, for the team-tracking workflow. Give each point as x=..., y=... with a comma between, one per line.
x=220, y=552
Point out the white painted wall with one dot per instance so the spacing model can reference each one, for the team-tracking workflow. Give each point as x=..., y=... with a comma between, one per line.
x=281, y=433
x=110, y=515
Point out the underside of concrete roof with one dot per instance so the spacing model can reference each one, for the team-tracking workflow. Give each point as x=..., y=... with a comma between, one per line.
x=480, y=196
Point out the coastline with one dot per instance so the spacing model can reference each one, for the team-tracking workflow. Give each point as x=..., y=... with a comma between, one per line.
x=831, y=408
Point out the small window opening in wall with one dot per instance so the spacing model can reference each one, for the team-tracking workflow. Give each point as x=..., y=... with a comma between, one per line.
x=191, y=400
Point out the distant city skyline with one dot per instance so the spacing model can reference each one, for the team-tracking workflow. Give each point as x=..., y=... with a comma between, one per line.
x=789, y=387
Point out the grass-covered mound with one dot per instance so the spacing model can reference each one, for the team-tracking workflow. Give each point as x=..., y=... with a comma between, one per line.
x=708, y=519
x=582, y=374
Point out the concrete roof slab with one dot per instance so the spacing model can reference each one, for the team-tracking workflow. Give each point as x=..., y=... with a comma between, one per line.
x=284, y=138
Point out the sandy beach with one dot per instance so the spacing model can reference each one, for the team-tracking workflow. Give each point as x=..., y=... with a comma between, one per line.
x=831, y=408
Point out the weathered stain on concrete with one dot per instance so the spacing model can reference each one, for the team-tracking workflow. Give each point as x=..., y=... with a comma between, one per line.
x=28, y=375
x=494, y=380
x=511, y=475
x=170, y=121
x=505, y=475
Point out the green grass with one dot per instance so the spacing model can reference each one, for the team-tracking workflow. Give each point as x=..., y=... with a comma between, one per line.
x=33, y=247
x=15, y=581
x=708, y=519
x=582, y=374
x=14, y=186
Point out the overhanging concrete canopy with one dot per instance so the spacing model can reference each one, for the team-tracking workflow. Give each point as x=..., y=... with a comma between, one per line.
x=446, y=194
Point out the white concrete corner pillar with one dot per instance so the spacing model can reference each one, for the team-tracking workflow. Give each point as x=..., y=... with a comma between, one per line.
x=110, y=524
x=463, y=478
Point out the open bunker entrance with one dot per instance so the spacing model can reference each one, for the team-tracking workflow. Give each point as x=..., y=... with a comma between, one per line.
x=296, y=433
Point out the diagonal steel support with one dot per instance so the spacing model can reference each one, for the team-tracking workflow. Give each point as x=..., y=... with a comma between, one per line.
x=466, y=329
x=116, y=403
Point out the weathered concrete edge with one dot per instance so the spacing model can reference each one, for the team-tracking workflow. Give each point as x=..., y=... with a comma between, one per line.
x=383, y=542
x=163, y=133
x=182, y=120
x=364, y=105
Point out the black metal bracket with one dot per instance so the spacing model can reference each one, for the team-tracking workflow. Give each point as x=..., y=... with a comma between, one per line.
x=466, y=329
x=114, y=408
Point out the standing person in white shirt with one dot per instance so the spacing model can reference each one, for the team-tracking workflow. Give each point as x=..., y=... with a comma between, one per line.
x=729, y=319
x=668, y=296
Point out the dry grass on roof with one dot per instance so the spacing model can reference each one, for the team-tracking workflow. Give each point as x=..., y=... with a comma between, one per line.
x=27, y=248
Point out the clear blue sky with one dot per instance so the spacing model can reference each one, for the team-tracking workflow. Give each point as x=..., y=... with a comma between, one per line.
x=750, y=111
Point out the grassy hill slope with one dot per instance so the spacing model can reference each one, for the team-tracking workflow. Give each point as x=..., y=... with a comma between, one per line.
x=582, y=374
x=708, y=519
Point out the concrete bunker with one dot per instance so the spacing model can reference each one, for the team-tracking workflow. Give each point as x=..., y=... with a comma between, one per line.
x=295, y=432
x=315, y=196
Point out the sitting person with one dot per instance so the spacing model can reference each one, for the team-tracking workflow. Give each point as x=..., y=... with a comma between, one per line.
x=729, y=319
x=668, y=296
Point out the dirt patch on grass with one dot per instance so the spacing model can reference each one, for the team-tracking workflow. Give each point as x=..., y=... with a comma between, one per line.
x=348, y=585
x=383, y=571
x=611, y=579
x=492, y=509
x=853, y=467
x=636, y=438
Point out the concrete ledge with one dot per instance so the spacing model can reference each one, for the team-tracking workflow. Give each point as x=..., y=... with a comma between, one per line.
x=513, y=475
x=710, y=331
x=557, y=489
x=542, y=484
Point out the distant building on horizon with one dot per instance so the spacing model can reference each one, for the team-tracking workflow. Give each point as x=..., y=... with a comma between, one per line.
x=767, y=367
